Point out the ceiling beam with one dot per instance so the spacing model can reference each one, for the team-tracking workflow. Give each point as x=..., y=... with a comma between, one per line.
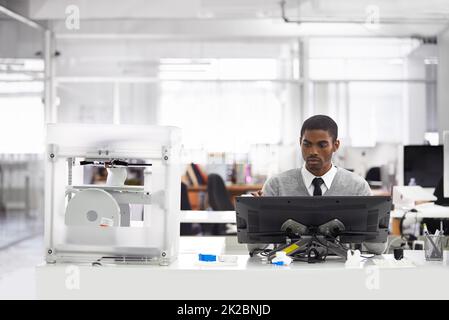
x=21, y=18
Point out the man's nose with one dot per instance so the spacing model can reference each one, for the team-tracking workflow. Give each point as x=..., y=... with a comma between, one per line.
x=313, y=151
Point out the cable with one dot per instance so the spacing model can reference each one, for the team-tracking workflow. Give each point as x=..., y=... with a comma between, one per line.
x=401, y=222
x=312, y=246
x=339, y=243
x=390, y=244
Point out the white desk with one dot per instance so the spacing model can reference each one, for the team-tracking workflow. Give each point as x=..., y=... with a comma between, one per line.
x=249, y=279
x=424, y=211
x=207, y=216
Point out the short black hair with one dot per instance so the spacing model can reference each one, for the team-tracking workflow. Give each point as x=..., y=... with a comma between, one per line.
x=321, y=122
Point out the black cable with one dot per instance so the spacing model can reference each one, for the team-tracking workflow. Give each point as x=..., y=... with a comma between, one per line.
x=304, y=255
x=324, y=245
x=312, y=246
x=339, y=243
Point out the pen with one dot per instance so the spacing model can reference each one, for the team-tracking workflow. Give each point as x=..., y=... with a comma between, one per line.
x=426, y=232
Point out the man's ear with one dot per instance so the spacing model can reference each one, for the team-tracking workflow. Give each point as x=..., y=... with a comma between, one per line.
x=336, y=145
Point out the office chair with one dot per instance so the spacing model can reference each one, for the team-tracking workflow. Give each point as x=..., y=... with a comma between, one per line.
x=439, y=193
x=188, y=229
x=219, y=200
x=373, y=177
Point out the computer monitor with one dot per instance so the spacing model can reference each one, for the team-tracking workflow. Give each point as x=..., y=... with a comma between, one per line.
x=262, y=219
x=423, y=165
x=446, y=164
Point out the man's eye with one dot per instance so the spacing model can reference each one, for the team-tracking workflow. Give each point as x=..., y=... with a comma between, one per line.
x=323, y=145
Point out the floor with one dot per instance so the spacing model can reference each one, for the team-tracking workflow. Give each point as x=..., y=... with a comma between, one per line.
x=21, y=249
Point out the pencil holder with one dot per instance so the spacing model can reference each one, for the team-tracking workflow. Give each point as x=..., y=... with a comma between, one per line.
x=433, y=247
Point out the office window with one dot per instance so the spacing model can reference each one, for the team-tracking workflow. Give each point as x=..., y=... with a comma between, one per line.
x=375, y=113
x=363, y=84
x=227, y=116
x=85, y=102
x=21, y=125
x=218, y=69
x=21, y=106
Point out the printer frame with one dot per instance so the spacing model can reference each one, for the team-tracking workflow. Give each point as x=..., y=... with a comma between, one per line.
x=155, y=238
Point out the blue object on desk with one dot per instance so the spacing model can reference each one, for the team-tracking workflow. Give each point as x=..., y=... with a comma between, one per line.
x=207, y=257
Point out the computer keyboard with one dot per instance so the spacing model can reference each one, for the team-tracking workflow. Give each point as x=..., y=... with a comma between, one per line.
x=391, y=263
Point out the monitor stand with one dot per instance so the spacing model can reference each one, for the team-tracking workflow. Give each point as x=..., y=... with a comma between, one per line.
x=314, y=246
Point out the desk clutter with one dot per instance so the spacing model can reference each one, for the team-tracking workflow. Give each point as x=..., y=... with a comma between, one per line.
x=211, y=260
x=393, y=263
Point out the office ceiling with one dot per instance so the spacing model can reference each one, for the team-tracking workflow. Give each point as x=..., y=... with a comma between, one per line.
x=319, y=10
x=249, y=17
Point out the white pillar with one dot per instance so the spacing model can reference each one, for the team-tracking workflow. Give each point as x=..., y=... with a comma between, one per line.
x=415, y=102
x=443, y=83
x=116, y=104
x=49, y=88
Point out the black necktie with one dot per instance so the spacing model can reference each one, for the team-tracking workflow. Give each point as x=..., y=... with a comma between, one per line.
x=317, y=182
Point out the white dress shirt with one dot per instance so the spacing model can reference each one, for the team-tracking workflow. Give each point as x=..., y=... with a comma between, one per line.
x=308, y=177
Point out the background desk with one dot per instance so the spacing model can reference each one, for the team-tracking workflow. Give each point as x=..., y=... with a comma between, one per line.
x=193, y=216
x=424, y=211
x=249, y=279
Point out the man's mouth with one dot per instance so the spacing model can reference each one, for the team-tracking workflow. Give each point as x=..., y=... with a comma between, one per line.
x=315, y=160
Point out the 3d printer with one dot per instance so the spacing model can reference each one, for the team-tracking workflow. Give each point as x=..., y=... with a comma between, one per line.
x=93, y=223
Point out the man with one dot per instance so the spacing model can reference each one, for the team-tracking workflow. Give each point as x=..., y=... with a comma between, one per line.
x=319, y=176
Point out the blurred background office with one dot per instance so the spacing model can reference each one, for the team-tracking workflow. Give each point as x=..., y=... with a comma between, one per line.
x=238, y=77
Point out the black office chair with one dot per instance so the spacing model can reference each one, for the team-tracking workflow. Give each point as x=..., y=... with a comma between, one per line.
x=439, y=193
x=373, y=177
x=188, y=229
x=219, y=200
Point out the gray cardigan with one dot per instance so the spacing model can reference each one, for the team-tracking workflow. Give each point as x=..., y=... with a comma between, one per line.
x=290, y=183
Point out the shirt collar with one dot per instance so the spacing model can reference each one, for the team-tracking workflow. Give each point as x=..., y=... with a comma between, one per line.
x=328, y=177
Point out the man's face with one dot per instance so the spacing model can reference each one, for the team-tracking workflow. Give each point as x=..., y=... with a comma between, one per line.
x=317, y=147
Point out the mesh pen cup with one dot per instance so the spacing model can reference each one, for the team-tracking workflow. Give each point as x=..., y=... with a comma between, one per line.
x=433, y=247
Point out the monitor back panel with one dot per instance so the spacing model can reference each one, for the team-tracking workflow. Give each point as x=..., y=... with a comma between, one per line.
x=259, y=219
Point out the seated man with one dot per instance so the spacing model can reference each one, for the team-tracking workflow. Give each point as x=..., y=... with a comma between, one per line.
x=318, y=176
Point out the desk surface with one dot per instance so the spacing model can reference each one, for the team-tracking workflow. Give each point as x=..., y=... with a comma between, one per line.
x=193, y=216
x=249, y=278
